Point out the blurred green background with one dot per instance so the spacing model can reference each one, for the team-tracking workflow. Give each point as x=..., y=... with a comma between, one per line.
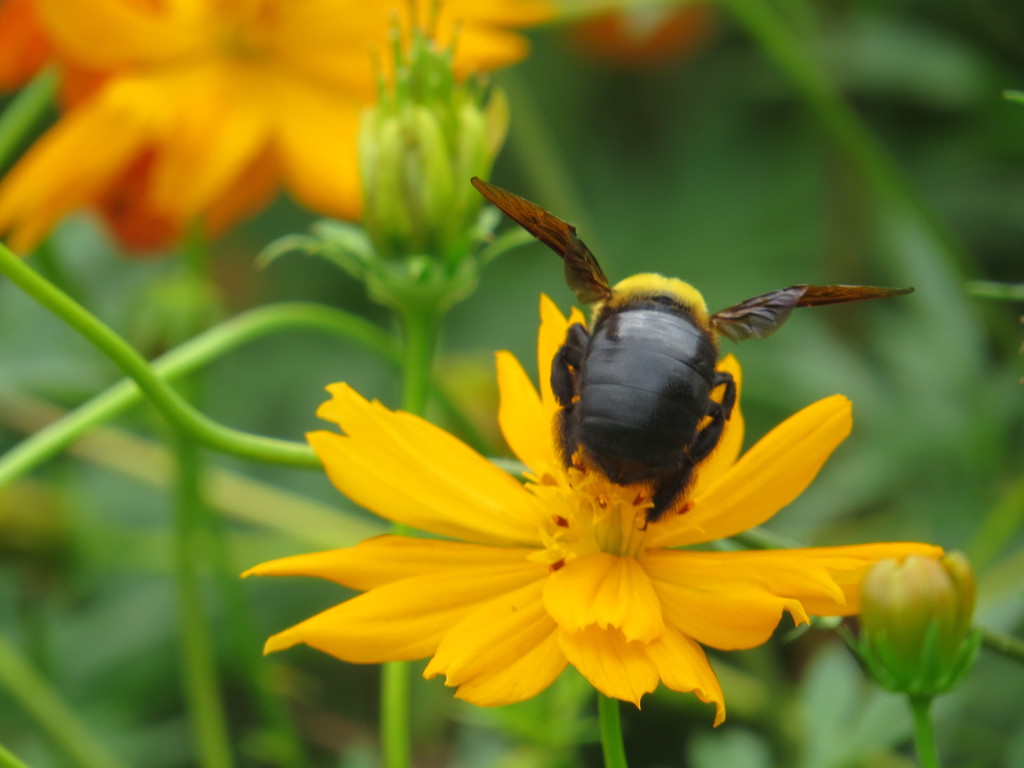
x=711, y=166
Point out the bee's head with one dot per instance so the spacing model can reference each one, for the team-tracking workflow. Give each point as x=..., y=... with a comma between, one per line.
x=651, y=287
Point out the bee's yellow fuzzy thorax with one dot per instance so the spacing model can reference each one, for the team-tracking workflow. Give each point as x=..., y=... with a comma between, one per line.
x=648, y=285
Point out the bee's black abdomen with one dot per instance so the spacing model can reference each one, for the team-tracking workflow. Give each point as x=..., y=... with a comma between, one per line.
x=643, y=388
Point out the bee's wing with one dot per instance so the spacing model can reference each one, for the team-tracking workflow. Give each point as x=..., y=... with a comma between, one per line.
x=582, y=272
x=760, y=316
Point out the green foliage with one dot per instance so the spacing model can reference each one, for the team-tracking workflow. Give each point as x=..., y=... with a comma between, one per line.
x=716, y=168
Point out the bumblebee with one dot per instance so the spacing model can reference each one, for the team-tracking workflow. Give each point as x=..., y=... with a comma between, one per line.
x=635, y=392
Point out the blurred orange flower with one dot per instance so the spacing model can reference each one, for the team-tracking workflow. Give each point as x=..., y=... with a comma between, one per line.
x=209, y=106
x=24, y=46
x=644, y=37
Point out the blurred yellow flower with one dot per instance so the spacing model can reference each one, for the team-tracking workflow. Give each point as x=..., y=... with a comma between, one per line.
x=209, y=105
x=562, y=569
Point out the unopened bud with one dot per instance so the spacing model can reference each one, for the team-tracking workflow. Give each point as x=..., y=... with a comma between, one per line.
x=418, y=149
x=916, y=633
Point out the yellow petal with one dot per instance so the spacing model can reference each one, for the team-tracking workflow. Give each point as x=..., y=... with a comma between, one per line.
x=733, y=600
x=614, y=667
x=728, y=448
x=402, y=620
x=483, y=49
x=765, y=479
x=31, y=200
x=210, y=130
x=317, y=135
x=503, y=652
x=384, y=559
x=252, y=190
x=332, y=41
x=847, y=567
x=605, y=590
x=406, y=469
x=683, y=666
x=512, y=13
x=525, y=422
x=105, y=34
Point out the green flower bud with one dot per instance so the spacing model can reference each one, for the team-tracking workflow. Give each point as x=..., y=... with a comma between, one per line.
x=916, y=633
x=418, y=148
x=425, y=232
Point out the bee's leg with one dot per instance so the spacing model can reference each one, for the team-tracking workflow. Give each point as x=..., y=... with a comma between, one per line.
x=708, y=437
x=728, y=397
x=567, y=362
x=564, y=368
x=668, y=489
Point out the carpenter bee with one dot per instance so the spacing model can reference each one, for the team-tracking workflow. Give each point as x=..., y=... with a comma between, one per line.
x=635, y=391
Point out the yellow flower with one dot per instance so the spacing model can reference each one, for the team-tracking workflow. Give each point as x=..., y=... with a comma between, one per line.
x=562, y=569
x=210, y=105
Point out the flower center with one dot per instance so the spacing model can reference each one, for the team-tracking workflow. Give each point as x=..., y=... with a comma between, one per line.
x=590, y=514
x=248, y=27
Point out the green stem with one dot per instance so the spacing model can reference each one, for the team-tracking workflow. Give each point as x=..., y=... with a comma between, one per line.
x=190, y=356
x=998, y=526
x=924, y=733
x=24, y=113
x=396, y=690
x=200, y=669
x=48, y=262
x=611, y=732
x=782, y=45
x=162, y=395
x=1007, y=645
x=8, y=760
x=53, y=714
x=989, y=289
x=420, y=334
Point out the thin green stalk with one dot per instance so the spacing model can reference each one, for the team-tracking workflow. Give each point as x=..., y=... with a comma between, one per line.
x=783, y=46
x=286, y=748
x=998, y=526
x=24, y=113
x=1007, y=645
x=420, y=331
x=55, y=716
x=420, y=334
x=162, y=395
x=924, y=733
x=190, y=356
x=395, y=690
x=990, y=289
x=47, y=261
x=611, y=732
x=7, y=760
x=200, y=670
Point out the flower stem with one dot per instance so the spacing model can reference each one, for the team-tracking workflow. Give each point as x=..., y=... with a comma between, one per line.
x=1007, y=645
x=24, y=113
x=25, y=685
x=7, y=760
x=396, y=687
x=200, y=669
x=611, y=732
x=420, y=329
x=190, y=356
x=169, y=402
x=781, y=44
x=924, y=733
